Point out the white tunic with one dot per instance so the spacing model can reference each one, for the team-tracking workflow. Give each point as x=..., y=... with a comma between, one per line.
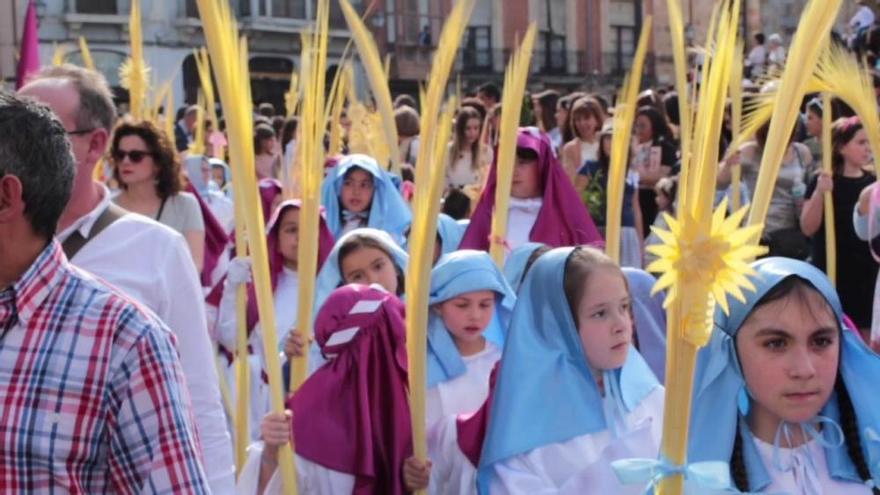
x=466, y=393
x=800, y=479
x=311, y=478
x=451, y=472
x=521, y=217
x=582, y=465
x=863, y=231
x=286, y=293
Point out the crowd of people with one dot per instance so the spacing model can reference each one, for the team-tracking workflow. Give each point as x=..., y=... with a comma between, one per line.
x=119, y=280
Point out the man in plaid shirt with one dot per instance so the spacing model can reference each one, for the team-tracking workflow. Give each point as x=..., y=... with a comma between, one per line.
x=91, y=395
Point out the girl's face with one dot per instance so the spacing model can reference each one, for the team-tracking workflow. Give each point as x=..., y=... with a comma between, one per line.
x=219, y=176
x=467, y=315
x=288, y=236
x=472, y=131
x=357, y=190
x=561, y=116
x=788, y=350
x=586, y=125
x=644, y=129
x=369, y=265
x=137, y=166
x=606, y=145
x=270, y=145
x=537, y=111
x=857, y=151
x=663, y=202
x=605, y=319
x=526, y=182
x=814, y=124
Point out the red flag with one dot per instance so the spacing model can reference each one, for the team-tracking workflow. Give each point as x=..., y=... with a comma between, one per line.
x=29, y=59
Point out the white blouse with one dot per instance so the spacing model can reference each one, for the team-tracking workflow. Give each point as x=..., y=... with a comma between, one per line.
x=806, y=473
x=582, y=465
x=465, y=393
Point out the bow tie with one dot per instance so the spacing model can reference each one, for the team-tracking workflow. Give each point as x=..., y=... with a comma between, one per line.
x=361, y=217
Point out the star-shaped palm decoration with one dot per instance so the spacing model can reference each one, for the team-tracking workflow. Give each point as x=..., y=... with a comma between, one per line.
x=701, y=264
x=134, y=75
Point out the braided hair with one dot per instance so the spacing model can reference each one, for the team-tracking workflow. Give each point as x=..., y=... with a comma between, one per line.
x=850, y=426
x=738, y=463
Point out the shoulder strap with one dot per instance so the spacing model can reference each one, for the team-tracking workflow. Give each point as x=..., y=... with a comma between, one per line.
x=76, y=241
x=161, y=209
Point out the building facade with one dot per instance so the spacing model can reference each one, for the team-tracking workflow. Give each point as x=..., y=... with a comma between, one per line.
x=580, y=42
x=171, y=30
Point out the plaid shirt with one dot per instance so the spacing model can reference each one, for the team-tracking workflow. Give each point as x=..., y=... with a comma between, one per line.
x=91, y=392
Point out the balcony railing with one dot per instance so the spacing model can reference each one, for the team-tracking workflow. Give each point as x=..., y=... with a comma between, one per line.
x=548, y=62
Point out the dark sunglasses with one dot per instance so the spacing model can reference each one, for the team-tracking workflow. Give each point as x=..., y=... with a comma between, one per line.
x=136, y=156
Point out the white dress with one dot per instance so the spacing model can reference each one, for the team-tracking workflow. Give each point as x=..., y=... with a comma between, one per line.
x=451, y=472
x=521, y=217
x=582, y=465
x=311, y=478
x=799, y=479
x=286, y=293
x=860, y=223
x=465, y=393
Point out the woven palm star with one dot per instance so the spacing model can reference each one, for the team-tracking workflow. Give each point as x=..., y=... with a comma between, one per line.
x=700, y=260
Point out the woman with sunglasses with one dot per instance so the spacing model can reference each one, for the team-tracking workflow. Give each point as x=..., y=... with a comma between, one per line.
x=147, y=169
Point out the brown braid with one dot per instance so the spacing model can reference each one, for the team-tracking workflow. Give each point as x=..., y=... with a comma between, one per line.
x=738, y=463
x=850, y=426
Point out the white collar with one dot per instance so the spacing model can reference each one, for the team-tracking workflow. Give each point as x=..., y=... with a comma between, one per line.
x=526, y=204
x=84, y=224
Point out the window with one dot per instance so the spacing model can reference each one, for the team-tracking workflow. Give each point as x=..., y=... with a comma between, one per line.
x=551, y=52
x=293, y=9
x=287, y=9
x=477, y=50
x=96, y=7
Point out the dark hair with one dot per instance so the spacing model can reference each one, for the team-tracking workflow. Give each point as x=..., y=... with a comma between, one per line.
x=537, y=253
x=547, y=101
x=476, y=104
x=278, y=124
x=815, y=106
x=262, y=132
x=405, y=100
x=659, y=128
x=842, y=132
x=407, y=121
x=585, y=107
x=648, y=98
x=266, y=109
x=288, y=132
x=491, y=90
x=360, y=241
x=466, y=114
x=164, y=154
x=96, y=108
x=601, y=100
x=670, y=106
x=457, y=204
x=565, y=103
x=759, y=37
x=35, y=149
x=581, y=263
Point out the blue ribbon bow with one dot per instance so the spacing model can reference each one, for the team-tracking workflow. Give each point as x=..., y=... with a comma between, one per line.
x=713, y=475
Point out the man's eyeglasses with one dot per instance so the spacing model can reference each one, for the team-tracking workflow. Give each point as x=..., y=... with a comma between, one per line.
x=135, y=156
x=80, y=132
